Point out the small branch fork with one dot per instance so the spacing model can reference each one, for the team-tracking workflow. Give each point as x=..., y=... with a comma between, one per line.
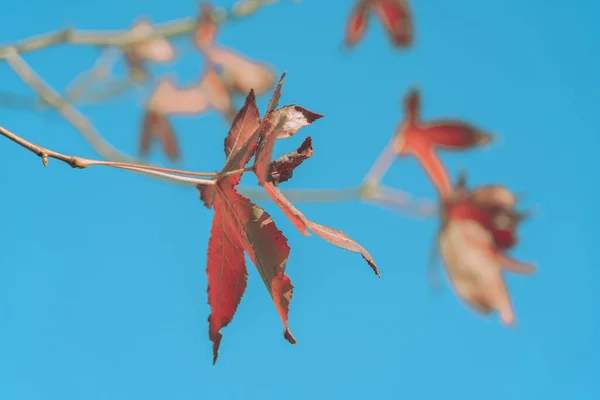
x=370, y=191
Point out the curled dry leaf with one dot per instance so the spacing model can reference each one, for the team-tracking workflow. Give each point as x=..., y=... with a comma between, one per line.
x=394, y=15
x=283, y=168
x=474, y=237
x=281, y=123
x=157, y=50
x=414, y=137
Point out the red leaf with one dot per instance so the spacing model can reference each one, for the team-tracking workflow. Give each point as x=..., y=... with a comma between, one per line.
x=421, y=139
x=241, y=141
x=156, y=127
x=333, y=236
x=283, y=168
x=454, y=135
x=396, y=19
x=227, y=274
x=266, y=246
x=357, y=23
x=244, y=125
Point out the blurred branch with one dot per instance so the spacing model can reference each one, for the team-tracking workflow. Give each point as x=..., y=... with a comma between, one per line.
x=124, y=38
x=67, y=111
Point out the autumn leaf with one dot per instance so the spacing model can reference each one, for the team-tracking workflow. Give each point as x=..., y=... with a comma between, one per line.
x=167, y=99
x=414, y=137
x=227, y=274
x=283, y=168
x=333, y=236
x=244, y=225
x=477, y=228
x=357, y=24
x=396, y=19
x=394, y=15
x=282, y=123
x=156, y=127
x=157, y=50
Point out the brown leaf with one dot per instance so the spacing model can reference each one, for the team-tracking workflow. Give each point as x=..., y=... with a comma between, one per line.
x=274, y=102
x=283, y=168
x=284, y=122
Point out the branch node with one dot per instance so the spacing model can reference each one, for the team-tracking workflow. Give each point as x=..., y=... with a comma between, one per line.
x=75, y=162
x=369, y=189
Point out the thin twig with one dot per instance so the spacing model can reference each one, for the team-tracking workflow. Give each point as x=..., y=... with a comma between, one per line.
x=67, y=111
x=81, y=163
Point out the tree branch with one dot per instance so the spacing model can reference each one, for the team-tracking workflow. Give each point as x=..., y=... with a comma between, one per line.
x=123, y=38
x=81, y=163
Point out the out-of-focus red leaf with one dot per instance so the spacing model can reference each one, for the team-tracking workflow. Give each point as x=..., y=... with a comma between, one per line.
x=475, y=273
x=240, y=73
x=357, y=24
x=394, y=15
x=454, y=135
x=283, y=168
x=157, y=50
x=226, y=271
x=477, y=228
x=156, y=127
x=396, y=19
x=206, y=29
x=419, y=139
x=168, y=99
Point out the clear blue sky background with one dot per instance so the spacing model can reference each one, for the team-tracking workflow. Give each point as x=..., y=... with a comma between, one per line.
x=102, y=273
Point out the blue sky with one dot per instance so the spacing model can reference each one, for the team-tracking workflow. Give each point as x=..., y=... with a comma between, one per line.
x=102, y=273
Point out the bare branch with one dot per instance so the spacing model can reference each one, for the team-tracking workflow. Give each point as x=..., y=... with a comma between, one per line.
x=81, y=163
x=68, y=112
x=124, y=38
